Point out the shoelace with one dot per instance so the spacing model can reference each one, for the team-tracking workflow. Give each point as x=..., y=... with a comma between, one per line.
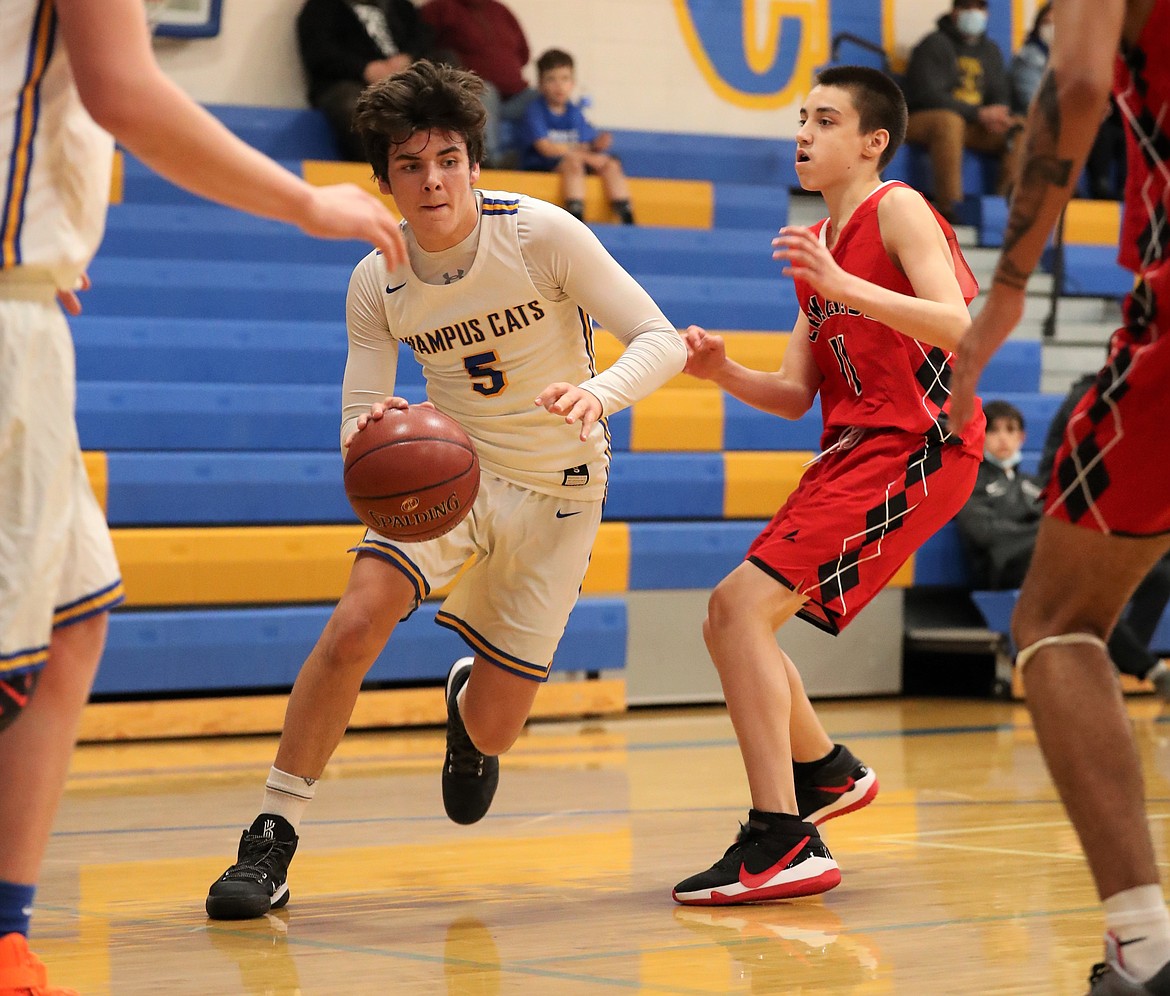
x=747, y=835
x=1100, y=970
x=262, y=856
x=462, y=757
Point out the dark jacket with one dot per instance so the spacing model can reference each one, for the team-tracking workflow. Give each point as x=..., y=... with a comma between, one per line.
x=335, y=46
x=935, y=72
x=998, y=526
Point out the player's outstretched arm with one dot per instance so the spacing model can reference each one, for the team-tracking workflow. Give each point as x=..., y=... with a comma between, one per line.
x=1062, y=123
x=936, y=313
x=788, y=392
x=127, y=93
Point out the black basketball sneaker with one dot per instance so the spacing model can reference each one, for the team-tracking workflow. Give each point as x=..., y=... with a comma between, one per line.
x=469, y=777
x=770, y=859
x=258, y=881
x=1110, y=979
x=837, y=785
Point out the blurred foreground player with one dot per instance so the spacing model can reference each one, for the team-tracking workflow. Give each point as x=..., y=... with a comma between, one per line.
x=75, y=73
x=1107, y=514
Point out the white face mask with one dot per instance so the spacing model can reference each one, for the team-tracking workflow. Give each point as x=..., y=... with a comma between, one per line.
x=971, y=22
x=1045, y=33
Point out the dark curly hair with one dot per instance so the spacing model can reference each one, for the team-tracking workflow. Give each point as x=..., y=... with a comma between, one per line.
x=425, y=97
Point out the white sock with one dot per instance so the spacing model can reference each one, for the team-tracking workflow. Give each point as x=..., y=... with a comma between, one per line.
x=1138, y=918
x=288, y=795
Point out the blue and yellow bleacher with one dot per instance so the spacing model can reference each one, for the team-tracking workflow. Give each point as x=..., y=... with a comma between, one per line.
x=209, y=362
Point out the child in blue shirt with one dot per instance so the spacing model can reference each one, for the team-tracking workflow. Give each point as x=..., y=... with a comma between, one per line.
x=556, y=138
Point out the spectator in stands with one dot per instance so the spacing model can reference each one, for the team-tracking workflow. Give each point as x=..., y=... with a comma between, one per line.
x=1029, y=63
x=348, y=44
x=883, y=291
x=556, y=137
x=1105, y=167
x=999, y=521
x=1129, y=643
x=958, y=93
x=93, y=75
x=486, y=38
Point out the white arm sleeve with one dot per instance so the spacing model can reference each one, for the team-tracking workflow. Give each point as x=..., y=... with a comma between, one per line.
x=566, y=260
x=372, y=363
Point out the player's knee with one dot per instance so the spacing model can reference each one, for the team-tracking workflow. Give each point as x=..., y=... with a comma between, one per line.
x=721, y=609
x=1033, y=621
x=16, y=691
x=355, y=635
x=493, y=734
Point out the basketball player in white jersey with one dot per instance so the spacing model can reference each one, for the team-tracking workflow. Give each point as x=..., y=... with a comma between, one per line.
x=73, y=73
x=496, y=303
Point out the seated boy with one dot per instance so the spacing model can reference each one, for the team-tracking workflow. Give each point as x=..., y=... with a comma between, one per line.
x=556, y=137
x=998, y=524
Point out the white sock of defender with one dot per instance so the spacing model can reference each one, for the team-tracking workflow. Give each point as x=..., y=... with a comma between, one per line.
x=288, y=795
x=1138, y=918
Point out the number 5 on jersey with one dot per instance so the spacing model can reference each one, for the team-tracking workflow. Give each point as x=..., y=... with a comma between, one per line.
x=479, y=368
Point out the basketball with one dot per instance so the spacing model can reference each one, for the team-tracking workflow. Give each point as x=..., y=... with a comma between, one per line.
x=412, y=475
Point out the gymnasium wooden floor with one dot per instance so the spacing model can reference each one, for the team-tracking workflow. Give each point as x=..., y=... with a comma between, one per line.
x=963, y=877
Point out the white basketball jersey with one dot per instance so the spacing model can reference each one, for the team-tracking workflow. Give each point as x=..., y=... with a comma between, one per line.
x=56, y=183
x=489, y=343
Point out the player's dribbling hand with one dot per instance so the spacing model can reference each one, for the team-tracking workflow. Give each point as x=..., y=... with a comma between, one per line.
x=706, y=353
x=345, y=211
x=574, y=403
x=811, y=261
x=377, y=410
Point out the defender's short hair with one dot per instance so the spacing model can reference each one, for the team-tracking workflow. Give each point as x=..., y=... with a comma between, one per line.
x=1004, y=411
x=879, y=101
x=425, y=97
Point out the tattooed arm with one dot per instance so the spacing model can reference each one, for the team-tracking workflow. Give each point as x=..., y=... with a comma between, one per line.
x=1062, y=123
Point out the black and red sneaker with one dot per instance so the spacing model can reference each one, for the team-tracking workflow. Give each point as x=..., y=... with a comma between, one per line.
x=834, y=786
x=772, y=858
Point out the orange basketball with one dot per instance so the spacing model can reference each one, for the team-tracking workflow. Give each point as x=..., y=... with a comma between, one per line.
x=412, y=475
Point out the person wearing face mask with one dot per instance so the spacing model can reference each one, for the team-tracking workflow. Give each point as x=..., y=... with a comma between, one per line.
x=1029, y=63
x=998, y=523
x=959, y=95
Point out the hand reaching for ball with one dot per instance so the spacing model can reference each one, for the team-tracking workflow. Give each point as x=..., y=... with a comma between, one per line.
x=574, y=403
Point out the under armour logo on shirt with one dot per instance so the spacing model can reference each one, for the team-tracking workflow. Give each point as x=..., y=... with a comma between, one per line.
x=450, y=278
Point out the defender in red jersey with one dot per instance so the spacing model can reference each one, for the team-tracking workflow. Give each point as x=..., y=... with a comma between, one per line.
x=883, y=292
x=1107, y=520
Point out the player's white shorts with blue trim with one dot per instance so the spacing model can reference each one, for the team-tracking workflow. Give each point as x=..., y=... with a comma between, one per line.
x=512, y=603
x=57, y=562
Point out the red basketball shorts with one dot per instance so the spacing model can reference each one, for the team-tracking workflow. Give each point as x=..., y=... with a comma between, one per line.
x=856, y=517
x=1112, y=472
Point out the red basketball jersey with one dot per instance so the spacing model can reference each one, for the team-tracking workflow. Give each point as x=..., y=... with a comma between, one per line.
x=873, y=375
x=1142, y=91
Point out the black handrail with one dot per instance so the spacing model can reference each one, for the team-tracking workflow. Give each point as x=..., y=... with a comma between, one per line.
x=1049, y=328
x=865, y=43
